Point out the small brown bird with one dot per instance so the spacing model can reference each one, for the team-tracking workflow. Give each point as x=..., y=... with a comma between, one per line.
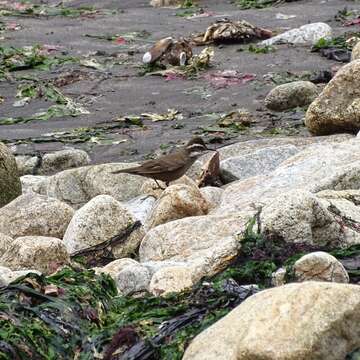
x=170, y=167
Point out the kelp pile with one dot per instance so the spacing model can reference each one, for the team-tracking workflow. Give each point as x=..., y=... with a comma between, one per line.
x=75, y=313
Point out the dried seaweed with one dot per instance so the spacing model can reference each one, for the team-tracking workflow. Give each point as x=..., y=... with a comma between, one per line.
x=101, y=254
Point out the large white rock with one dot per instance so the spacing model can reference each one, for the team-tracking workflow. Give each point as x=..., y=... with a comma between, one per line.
x=140, y=207
x=114, y=267
x=258, y=162
x=176, y=202
x=311, y=320
x=212, y=195
x=33, y=214
x=10, y=186
x=320, y=266
x=151, y=187
x=306, y=34
x=171, y=279
x=154, y=266
x=33, y=183
x=77, y=186
x=62, y=160
x=7, y=275
x=133, y=279
x=318, y=167
x=52, y=162
x=323, y=219
x=99, y=220
x=207, y=244
x=250, y=147
x=337, y=108
x=278, y=277
x=27, y=164
x=35, y=252
x=291, y=95
x=298, y=216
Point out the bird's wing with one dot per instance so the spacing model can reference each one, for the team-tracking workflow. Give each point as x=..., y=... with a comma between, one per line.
x=159, y=165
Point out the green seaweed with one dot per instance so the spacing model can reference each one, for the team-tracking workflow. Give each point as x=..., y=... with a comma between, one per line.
x=255, y=4
x=257, y=49
x=64, y=106
x=130, y=37
x=340, y=42
x=30, y=57
x=38, y=326
x=346, y=252
x=87, y=317
x=42, y=10
x=54, y=111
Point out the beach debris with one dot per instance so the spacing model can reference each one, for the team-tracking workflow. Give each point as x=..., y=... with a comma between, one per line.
x=166, y=3
x=348, y=17
x=237, y=119
x=169, y=51
x=338, y=48
x=321, y=76
x=280, y=16
x=228, y=31
x=196, y=64
x=171, y=114
x=222, y=79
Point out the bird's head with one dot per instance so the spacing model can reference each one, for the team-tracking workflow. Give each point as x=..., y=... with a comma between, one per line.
x=196, y=147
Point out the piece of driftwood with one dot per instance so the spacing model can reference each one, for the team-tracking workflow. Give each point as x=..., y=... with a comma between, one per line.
x=228, y=31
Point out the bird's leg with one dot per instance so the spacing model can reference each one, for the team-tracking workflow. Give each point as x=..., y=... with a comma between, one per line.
x=159, y=185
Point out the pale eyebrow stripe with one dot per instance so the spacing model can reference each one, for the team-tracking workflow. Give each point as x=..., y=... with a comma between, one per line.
x=196, y=146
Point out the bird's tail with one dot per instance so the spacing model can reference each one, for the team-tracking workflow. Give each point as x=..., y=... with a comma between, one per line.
x=131, y=170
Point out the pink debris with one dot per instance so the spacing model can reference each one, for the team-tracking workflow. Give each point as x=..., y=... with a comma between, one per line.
x=353, y=22
x=173, y=76
x=21, y=6
x=47, y=49
x=120, y=41
x=222, y=79
x=201, y=15
x=13, y=26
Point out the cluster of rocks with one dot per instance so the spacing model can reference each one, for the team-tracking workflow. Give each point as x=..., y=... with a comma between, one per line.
x=335, y=109
x=303, y=186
